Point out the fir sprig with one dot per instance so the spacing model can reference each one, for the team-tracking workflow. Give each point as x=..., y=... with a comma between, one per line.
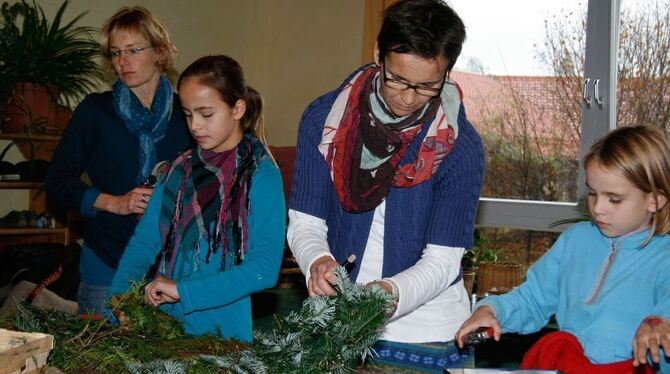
x=146, y=321
x=328, y=335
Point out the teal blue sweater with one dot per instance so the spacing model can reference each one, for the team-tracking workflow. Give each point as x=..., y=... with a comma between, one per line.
x=638, y=285
x=215, y=301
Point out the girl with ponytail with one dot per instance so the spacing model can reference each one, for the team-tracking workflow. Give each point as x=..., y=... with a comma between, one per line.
x=216, y=221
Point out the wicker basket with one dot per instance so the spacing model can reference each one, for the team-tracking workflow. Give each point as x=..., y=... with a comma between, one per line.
x=23, y=352
x=498, y=277
x=469, y=280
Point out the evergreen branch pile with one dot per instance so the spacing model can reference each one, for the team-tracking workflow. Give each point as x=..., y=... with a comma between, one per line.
x=329, y=334
x=86, y=345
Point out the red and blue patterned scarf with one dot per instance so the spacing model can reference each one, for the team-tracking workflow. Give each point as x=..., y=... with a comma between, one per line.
x=206, y=195
x=352, y=125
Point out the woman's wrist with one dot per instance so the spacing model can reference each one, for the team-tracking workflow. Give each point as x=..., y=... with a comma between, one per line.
x=390, y=287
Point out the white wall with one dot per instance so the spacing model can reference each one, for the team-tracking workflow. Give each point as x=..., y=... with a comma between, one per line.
x=292, y=51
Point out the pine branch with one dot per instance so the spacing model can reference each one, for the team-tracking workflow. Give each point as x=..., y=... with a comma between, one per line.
x=329, y=334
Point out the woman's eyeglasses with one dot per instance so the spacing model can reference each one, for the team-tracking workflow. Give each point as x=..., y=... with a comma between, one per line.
x=130, y=52
x=402, y=86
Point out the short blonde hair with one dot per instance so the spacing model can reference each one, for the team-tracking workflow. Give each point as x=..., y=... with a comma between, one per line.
x=139, y=19
x=641, y=154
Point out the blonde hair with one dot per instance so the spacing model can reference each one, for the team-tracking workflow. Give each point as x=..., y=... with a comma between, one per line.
x=641, y=155
x=140, y=20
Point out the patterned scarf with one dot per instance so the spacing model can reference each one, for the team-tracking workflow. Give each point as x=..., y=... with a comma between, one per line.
x=363, y=144
x=206, y=195
x=149, y=125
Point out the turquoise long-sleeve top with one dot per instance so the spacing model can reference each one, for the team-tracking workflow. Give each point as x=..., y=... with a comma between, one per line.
x=560, y=283
x=211, y=300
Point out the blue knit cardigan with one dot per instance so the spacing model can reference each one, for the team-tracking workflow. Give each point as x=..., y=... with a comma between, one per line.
x=439, y=211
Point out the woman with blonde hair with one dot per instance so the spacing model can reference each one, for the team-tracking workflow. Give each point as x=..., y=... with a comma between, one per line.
x=117, y=137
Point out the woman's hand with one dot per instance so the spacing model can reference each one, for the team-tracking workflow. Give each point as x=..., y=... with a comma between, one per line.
x=484, y=316
x=161, y=290
x=388, y=287
x=135, y=201
x=322, y=278
x=652, y=335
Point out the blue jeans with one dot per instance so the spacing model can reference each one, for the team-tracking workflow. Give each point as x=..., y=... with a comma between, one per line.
x=95, y=278
x=92, y=298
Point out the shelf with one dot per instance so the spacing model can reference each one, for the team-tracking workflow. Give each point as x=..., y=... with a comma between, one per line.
x=18, y=185
x=33, y=231
x=33, y=137
x=27, y=235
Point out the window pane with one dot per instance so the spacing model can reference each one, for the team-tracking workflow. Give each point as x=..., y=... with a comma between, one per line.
x=513, y=252
x=520, y=72
x=510, y=245
x=643, y=89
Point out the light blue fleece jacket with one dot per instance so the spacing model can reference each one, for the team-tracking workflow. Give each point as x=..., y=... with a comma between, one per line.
x=214, y=301
x=638, y=285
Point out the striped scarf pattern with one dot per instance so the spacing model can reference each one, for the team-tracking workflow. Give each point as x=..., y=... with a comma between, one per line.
x=206, y=196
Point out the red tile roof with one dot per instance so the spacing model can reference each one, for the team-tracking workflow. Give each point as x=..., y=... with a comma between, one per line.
x=510, y=104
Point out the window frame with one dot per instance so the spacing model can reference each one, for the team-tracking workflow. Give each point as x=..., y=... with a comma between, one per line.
x=602, y=40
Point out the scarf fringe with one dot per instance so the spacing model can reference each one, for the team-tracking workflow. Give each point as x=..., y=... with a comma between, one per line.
x=192, y=205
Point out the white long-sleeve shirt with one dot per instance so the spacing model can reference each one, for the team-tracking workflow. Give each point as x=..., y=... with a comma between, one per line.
x=428, y=310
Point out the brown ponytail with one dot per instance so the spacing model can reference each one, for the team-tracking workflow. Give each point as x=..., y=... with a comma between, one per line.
x=252, y=121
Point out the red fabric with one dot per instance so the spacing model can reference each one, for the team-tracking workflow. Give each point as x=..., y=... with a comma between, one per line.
x=561, y=351
x=285, y=157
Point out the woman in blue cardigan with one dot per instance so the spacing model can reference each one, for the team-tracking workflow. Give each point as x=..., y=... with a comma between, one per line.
x=116, y=138
x=388, y=168
x=217, y=220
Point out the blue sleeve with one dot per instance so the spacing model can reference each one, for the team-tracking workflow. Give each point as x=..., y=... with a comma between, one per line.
x=311, y=183
x=662, y=308
x=528, y=308
x=142, y=249
x=456, y=190
x=63, y=183
x=260, y=267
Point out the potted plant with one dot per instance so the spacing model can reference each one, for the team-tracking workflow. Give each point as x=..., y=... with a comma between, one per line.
x=46, y=65
x=480, y=253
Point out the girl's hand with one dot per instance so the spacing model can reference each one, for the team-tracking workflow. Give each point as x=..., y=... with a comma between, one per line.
x=484, y=316
x=161, y=290
x=124, y=322
x=652, y=335
x=322, y=278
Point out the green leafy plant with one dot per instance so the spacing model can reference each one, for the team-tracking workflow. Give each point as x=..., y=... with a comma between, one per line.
x=584, y=215
x=481, y=252
x=51, y=53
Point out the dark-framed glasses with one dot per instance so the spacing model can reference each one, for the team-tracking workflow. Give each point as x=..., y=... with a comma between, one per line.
x=130, y=52
x=402, y=85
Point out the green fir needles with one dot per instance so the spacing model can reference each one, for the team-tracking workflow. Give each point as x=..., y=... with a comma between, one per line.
x=146, y=321
x=328, y=335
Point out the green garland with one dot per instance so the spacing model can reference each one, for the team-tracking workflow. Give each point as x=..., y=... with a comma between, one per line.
x=329, y=334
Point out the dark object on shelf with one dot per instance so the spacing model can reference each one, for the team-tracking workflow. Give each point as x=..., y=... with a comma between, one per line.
x=8, y=171
x=32, y=170
x=15, y=218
